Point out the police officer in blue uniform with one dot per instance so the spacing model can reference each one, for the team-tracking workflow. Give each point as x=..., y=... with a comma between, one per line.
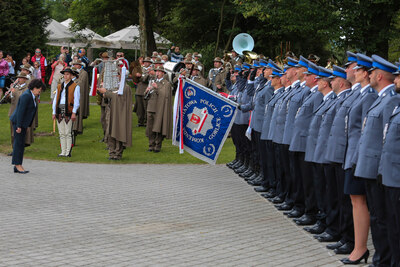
x=325, y=89
x=301, y=125
x=368, y=155
x=390, y=172
x=334, y=174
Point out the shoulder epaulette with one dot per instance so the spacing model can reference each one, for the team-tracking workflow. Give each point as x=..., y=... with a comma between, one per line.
x=392, y=92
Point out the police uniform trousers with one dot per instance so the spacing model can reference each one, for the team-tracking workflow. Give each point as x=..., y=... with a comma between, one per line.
x=244, y=142
x=296, y=182
x=310, y=201
x=320, y=191
x=267, y=164
x=255, y=142
x=285, y=177
x=141, y=107
x=345, y=207
x=18, y=146
x=155, y=139
x=332, y=201
x=392, y=197
x=376, y=205
x=235, y=140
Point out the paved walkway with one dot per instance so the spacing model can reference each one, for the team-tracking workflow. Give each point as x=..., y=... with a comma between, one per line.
x=64, y=214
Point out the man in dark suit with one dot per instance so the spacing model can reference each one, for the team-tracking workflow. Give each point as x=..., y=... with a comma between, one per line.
x=21, y=119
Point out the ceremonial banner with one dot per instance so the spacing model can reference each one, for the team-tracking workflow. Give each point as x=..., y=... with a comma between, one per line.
x=202, y=120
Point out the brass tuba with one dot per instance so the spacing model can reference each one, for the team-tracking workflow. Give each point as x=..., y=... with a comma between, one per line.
x=243, y=44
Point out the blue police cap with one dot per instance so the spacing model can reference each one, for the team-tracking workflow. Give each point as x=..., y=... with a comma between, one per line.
x=303, y=63
x=256, y=64
x=338, y=72
x=272, y=64
x=237, y=68
x=276, y=72
x=291, y=62
x=382, y=64
x=263, y=63
x=363, y=61
x=398, y=70
x=324, y=73
x=351, y=58
x=246, y=66
x=312, y=69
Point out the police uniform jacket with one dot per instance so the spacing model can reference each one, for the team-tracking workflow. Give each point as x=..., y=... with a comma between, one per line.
x=357, y=112
x=245, y=99
x=262, y=96
x=238, y=90
x=303, y=119
x=269, y=109
x=336, y=144
x=282, y=108
x=325, y=127
x=274, y=116
x=390, y=160
x=292, y=107
x=370, y=144
x=313, y=130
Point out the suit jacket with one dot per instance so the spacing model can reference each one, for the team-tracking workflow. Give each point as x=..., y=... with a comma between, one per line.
x=25, y=112
x=390, y=159
x=269, y=110
x=325, y=128
x=353, y=121
x=370, y=146
x=313, y=130
x=302, y=121
x=292, y=107
x=336, y=145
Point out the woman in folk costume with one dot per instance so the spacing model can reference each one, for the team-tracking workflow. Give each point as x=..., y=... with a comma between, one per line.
x=159, y=111
x=118, y=134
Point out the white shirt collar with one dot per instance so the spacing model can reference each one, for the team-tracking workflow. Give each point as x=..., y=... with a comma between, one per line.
x=364, y=88
x=315, y=88
x=384, y=90
x=355, y=86
x=343, y=91
x=287, y=88
x=159, y=80
x=302, y=83
x=327, y=95
x=295, y=83
x=276, y=91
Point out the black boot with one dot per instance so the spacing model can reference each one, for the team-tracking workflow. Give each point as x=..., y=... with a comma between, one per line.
x=233, y=162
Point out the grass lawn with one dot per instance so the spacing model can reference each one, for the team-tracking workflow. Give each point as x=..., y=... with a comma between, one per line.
x=88, y=149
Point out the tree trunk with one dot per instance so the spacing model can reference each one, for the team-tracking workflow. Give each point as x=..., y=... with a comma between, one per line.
x=147, y=42
x=228, y=43
x=219, y=27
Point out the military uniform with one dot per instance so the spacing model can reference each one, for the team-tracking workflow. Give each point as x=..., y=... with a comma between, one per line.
x=141, y=103
x=159, y=114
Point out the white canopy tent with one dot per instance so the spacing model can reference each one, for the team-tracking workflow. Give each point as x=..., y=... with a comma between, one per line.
x=95, y=40
x=129, y=38
x=59, y=34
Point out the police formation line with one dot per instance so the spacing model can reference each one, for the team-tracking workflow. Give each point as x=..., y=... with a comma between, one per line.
x=323, y=146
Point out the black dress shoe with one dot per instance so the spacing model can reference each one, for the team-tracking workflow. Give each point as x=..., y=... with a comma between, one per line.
x=230, y=164
x=21, y=172
x=253, y=176
x=363, y=257
x=316, y=229
x=269, y=194
x=156, y=151
x=325, y=237
x=9, y=154
x=335, y=245
x=277, y=200
x=284, y=206
x=149, y=150
x=347, y=248
x=241, y=169
x=305, y=220
x=249, y=172
x=295, y=214
x=261, y=189
x=237, y=164
x=256, y=182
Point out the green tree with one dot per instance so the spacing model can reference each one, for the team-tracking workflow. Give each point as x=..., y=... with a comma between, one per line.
x=57, y=9
x=23, y=26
